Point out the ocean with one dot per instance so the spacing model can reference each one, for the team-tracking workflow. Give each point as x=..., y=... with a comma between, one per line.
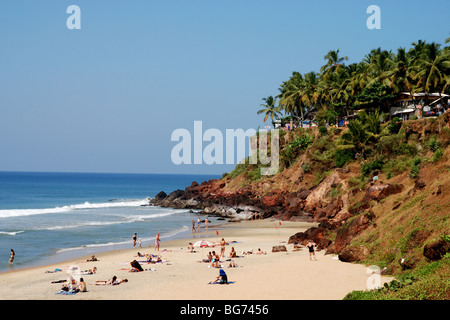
x=50, y=217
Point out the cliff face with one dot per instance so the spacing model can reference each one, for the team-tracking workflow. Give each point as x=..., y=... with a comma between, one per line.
x=385, y=214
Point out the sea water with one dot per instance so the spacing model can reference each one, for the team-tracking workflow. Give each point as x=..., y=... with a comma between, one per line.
x=50, y=217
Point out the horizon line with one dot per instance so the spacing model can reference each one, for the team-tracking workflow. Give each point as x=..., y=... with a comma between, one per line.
x=96, y=172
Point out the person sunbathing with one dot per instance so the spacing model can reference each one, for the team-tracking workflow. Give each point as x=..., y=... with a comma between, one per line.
x=260, y=251
x=105, y=282
x=232, y=264
x=113, y=281
x=232, y=253
x=215, y=260
x=90, y=271
x=190, y=248
x=221, y=278
x=135, y=266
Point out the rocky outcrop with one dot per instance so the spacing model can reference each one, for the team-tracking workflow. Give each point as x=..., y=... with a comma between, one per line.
x=353, y=227
x=353, y=254
x=381, y=191
x=316, y=234
x=279, y=248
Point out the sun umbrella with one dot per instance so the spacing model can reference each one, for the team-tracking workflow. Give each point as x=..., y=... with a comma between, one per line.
x=202, y=244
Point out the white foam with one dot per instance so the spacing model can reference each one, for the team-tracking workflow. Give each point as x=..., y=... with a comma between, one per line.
x=169, y=234
x=11, y=233
x=8, y=213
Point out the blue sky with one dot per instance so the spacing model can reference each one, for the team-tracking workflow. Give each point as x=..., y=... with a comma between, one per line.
x=107, y=97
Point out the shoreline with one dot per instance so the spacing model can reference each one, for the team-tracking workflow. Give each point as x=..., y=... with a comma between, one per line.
x=288, y=275
x=66, y=256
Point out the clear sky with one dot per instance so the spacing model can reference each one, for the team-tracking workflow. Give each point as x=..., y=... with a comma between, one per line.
x=107, y=97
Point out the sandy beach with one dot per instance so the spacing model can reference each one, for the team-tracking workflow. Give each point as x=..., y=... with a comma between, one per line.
x=272, y=276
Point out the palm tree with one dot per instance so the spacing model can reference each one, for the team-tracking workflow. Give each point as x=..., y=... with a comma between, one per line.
x=398, y=77
x=432, y=69
x=269, y=108
x=334, y=63
x=291, y=92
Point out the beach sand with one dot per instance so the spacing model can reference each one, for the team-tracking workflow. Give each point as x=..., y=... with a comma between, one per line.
x=273, y=276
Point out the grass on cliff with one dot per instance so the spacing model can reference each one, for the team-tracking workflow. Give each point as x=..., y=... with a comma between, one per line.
x=430, y=282
x=415, y=152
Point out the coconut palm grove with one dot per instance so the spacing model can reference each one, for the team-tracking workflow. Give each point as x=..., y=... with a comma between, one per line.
x=373, y=84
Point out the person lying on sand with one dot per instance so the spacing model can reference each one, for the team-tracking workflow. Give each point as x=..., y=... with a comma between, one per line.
x=247, y=252
x=149, y=258
x=90, y=271
x=93, y=258
x=260, y=251
x=113, y=281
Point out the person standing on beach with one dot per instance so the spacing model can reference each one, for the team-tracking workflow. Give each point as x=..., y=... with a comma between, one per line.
x=134, y=240
x=310, y=247
x=11, y=259
x=222, y=248
x=206, y=224
x=157, y=242
x=198, y=224
x=193, y=226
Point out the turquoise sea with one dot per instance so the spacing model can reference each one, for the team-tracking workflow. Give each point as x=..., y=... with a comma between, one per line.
x=50, y=217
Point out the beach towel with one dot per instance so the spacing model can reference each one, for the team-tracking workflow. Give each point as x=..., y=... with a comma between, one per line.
x=56, y=270
x=70, y=292
x=229, y=282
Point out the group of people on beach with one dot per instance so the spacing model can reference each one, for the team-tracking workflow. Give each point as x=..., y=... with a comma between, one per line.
x=139, y=241
x=199, y=221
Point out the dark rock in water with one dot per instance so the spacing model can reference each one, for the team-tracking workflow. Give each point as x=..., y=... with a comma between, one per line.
x=435, y=251
x=175, y=194
x=161, y=195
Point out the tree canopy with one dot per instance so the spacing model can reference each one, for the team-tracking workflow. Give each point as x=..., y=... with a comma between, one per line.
x=371, y=84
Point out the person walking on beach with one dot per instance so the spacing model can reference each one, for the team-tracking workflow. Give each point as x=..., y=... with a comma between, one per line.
x=134, y=240
x=310, y=247
x=198, y=224
x=157, y=242
x=193, y=226
x=11, y=259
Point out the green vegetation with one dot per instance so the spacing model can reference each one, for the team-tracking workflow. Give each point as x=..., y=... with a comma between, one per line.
x=371, y=84
x=430, y=282
x=371, y=144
